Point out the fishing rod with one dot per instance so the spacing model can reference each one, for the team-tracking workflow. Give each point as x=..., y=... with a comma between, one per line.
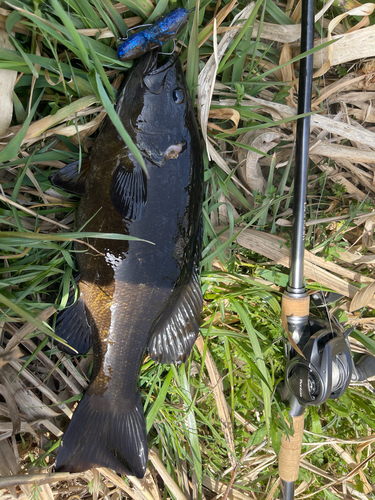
x=295, y=301
x=319, y=363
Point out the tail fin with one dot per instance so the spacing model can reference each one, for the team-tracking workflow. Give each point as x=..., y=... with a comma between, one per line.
x=103, y=433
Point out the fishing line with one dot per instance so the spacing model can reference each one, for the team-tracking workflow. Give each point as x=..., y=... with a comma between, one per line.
x=318, y=17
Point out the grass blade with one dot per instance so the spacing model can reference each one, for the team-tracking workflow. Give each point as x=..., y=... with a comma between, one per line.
x=74, y=35
x=67, y=236
x=117, y=123
x=151, y=415
x=143, y=8
x=259, y=359
x=193, y=56
x=12, y=148
x=191, y=428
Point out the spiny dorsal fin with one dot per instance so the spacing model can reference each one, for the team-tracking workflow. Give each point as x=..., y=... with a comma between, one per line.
x=175, y=332
x=70, y=178
x=129, y=190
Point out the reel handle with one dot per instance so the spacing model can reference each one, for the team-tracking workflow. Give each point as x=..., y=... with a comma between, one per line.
x=364, y=369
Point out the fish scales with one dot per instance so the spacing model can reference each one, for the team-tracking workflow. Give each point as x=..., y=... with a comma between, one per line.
x=134, y=295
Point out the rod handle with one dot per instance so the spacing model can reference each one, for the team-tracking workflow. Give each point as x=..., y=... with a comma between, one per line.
x=295, y=306
x=290, y=451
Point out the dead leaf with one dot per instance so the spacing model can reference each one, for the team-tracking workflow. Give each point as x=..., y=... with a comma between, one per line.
x=349, y=257
x=12, y=407
x=159, y=466
x=336, y=88
x=249, y=169
x=7, y=82
x=218, y=19
x=362, y=298
x=25, y=330
x=224, y=114
x=223, y=208
x=121, y=484
x=37, y=128
x=222, y=408
x=48, y=78
x=287, y=72
x=284, y=322
x=368, y=67
x=335, y=176
x=207, y=77
x=362, y=446
x=355, y=155
x=367, y=237
x=364, y=10
x=280, y=111
x=316, y=268
x=283, y=222
x=10, y=356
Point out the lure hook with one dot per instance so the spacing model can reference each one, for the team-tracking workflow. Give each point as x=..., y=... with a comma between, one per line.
x=169, y=53
x=133, y=28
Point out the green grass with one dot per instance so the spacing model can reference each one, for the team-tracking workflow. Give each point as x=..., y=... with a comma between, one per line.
x=241, y=325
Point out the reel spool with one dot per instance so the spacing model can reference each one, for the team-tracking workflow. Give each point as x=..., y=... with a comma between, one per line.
x=328, y=366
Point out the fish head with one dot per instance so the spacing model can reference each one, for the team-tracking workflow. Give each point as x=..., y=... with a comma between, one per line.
x=158, y=108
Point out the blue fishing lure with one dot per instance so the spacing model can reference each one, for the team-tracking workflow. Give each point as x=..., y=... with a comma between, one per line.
x=166, y=28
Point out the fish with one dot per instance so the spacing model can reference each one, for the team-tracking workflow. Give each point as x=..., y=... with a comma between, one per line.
x=141, y=295
x=166, y=28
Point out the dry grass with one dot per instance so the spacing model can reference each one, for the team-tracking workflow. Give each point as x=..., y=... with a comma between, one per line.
x=235, y=412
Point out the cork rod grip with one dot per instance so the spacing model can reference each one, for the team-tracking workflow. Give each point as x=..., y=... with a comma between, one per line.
x=290, y=452
x=292, y=306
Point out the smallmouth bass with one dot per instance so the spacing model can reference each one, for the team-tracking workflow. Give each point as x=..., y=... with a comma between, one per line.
x=134, y=296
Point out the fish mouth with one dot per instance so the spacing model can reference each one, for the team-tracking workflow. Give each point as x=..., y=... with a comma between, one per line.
x=173, y=151
x=153, y=64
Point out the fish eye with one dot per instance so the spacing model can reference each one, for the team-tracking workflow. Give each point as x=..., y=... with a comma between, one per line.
x=178, y=96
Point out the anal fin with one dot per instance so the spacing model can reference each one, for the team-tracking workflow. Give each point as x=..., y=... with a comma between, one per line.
x=175, y=332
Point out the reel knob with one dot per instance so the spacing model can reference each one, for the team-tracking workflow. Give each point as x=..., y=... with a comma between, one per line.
x=303, y=382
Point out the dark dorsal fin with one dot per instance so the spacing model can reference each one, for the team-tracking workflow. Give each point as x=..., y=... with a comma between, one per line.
x=129, y=190
x=176, y=330
x=70, y=178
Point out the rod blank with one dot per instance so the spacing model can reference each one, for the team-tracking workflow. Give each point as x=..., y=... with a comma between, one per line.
x=302, y=149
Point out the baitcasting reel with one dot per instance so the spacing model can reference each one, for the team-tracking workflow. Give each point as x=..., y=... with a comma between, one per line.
x=328, y=366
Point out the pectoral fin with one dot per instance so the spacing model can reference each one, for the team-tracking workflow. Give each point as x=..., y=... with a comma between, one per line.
x=71, y=178
x=72, y=325
x=129, y=190
x=175, y=332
